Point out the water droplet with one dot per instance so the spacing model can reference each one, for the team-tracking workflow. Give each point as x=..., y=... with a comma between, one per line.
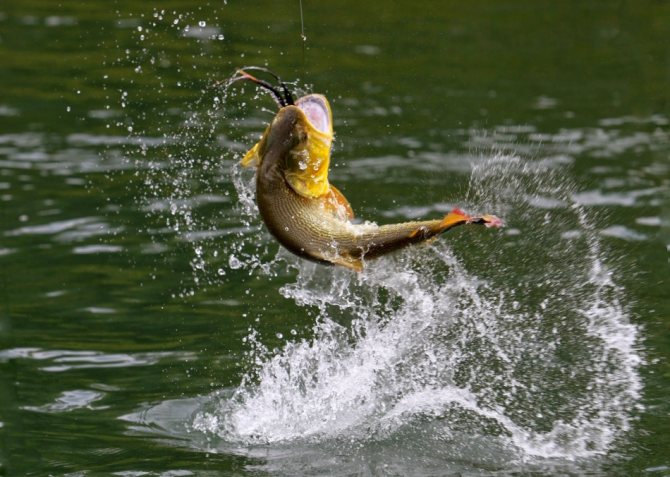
x=234, y=262
x=202, y=24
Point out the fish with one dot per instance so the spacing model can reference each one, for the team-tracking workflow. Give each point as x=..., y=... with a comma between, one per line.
x=304, y=212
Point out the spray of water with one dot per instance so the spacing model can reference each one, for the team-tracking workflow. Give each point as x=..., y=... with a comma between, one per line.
x=483, y=348
x=479, y=348
x=517, y=346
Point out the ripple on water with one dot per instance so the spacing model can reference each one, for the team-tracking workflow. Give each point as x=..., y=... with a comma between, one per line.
x=624, y=198
x=649, y=221
x=6, y=251
x=398, y=169
x=655, y=119
x=51, y=228
x=8, y=111
x=68, y=360
x=71, y=400
x=623, y=232
x=68, y=230
x=174, y=205
x=96, y=249
x=24, y=140
x=609, y=140
x=85, y=139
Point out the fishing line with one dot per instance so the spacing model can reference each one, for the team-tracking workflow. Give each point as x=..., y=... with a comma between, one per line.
x=302, y=33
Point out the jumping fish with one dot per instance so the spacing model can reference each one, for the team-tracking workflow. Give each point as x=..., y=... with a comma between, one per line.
x=301, y=209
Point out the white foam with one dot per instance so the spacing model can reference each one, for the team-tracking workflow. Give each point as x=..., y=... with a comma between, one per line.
x=519, y=341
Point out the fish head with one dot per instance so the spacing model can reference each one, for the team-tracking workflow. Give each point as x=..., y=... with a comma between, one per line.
x=300, y=136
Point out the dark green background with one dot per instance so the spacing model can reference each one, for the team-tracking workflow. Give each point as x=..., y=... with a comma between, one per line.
x=97, y=276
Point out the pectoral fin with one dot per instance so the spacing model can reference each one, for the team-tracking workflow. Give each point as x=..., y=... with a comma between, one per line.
x=343, y=260
x=254, y=155
x=355, y=264
x=251, y=158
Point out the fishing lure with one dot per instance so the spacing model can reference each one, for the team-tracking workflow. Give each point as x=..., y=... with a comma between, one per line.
x=299, y=206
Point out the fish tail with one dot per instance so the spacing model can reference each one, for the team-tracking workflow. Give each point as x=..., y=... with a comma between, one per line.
x=458, y=217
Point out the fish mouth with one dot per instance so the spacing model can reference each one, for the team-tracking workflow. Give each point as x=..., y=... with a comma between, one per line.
x=308, y=162
x=314, y=106
x=317, y=112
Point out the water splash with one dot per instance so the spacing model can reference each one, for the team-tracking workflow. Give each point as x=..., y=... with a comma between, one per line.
x=183, y=166
x=484, y=349
x=493, y=349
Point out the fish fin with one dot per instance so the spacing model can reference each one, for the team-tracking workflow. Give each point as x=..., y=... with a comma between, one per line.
x=337, y=204
x=252, y=158
x=458, y=217
x=419, y=230
x=351, y=263
x=344, y=260
x=454, y=218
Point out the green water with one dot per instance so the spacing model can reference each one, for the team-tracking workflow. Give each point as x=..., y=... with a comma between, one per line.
x=145, y=315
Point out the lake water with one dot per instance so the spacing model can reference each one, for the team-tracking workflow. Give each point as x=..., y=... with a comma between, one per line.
x=150, y=325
